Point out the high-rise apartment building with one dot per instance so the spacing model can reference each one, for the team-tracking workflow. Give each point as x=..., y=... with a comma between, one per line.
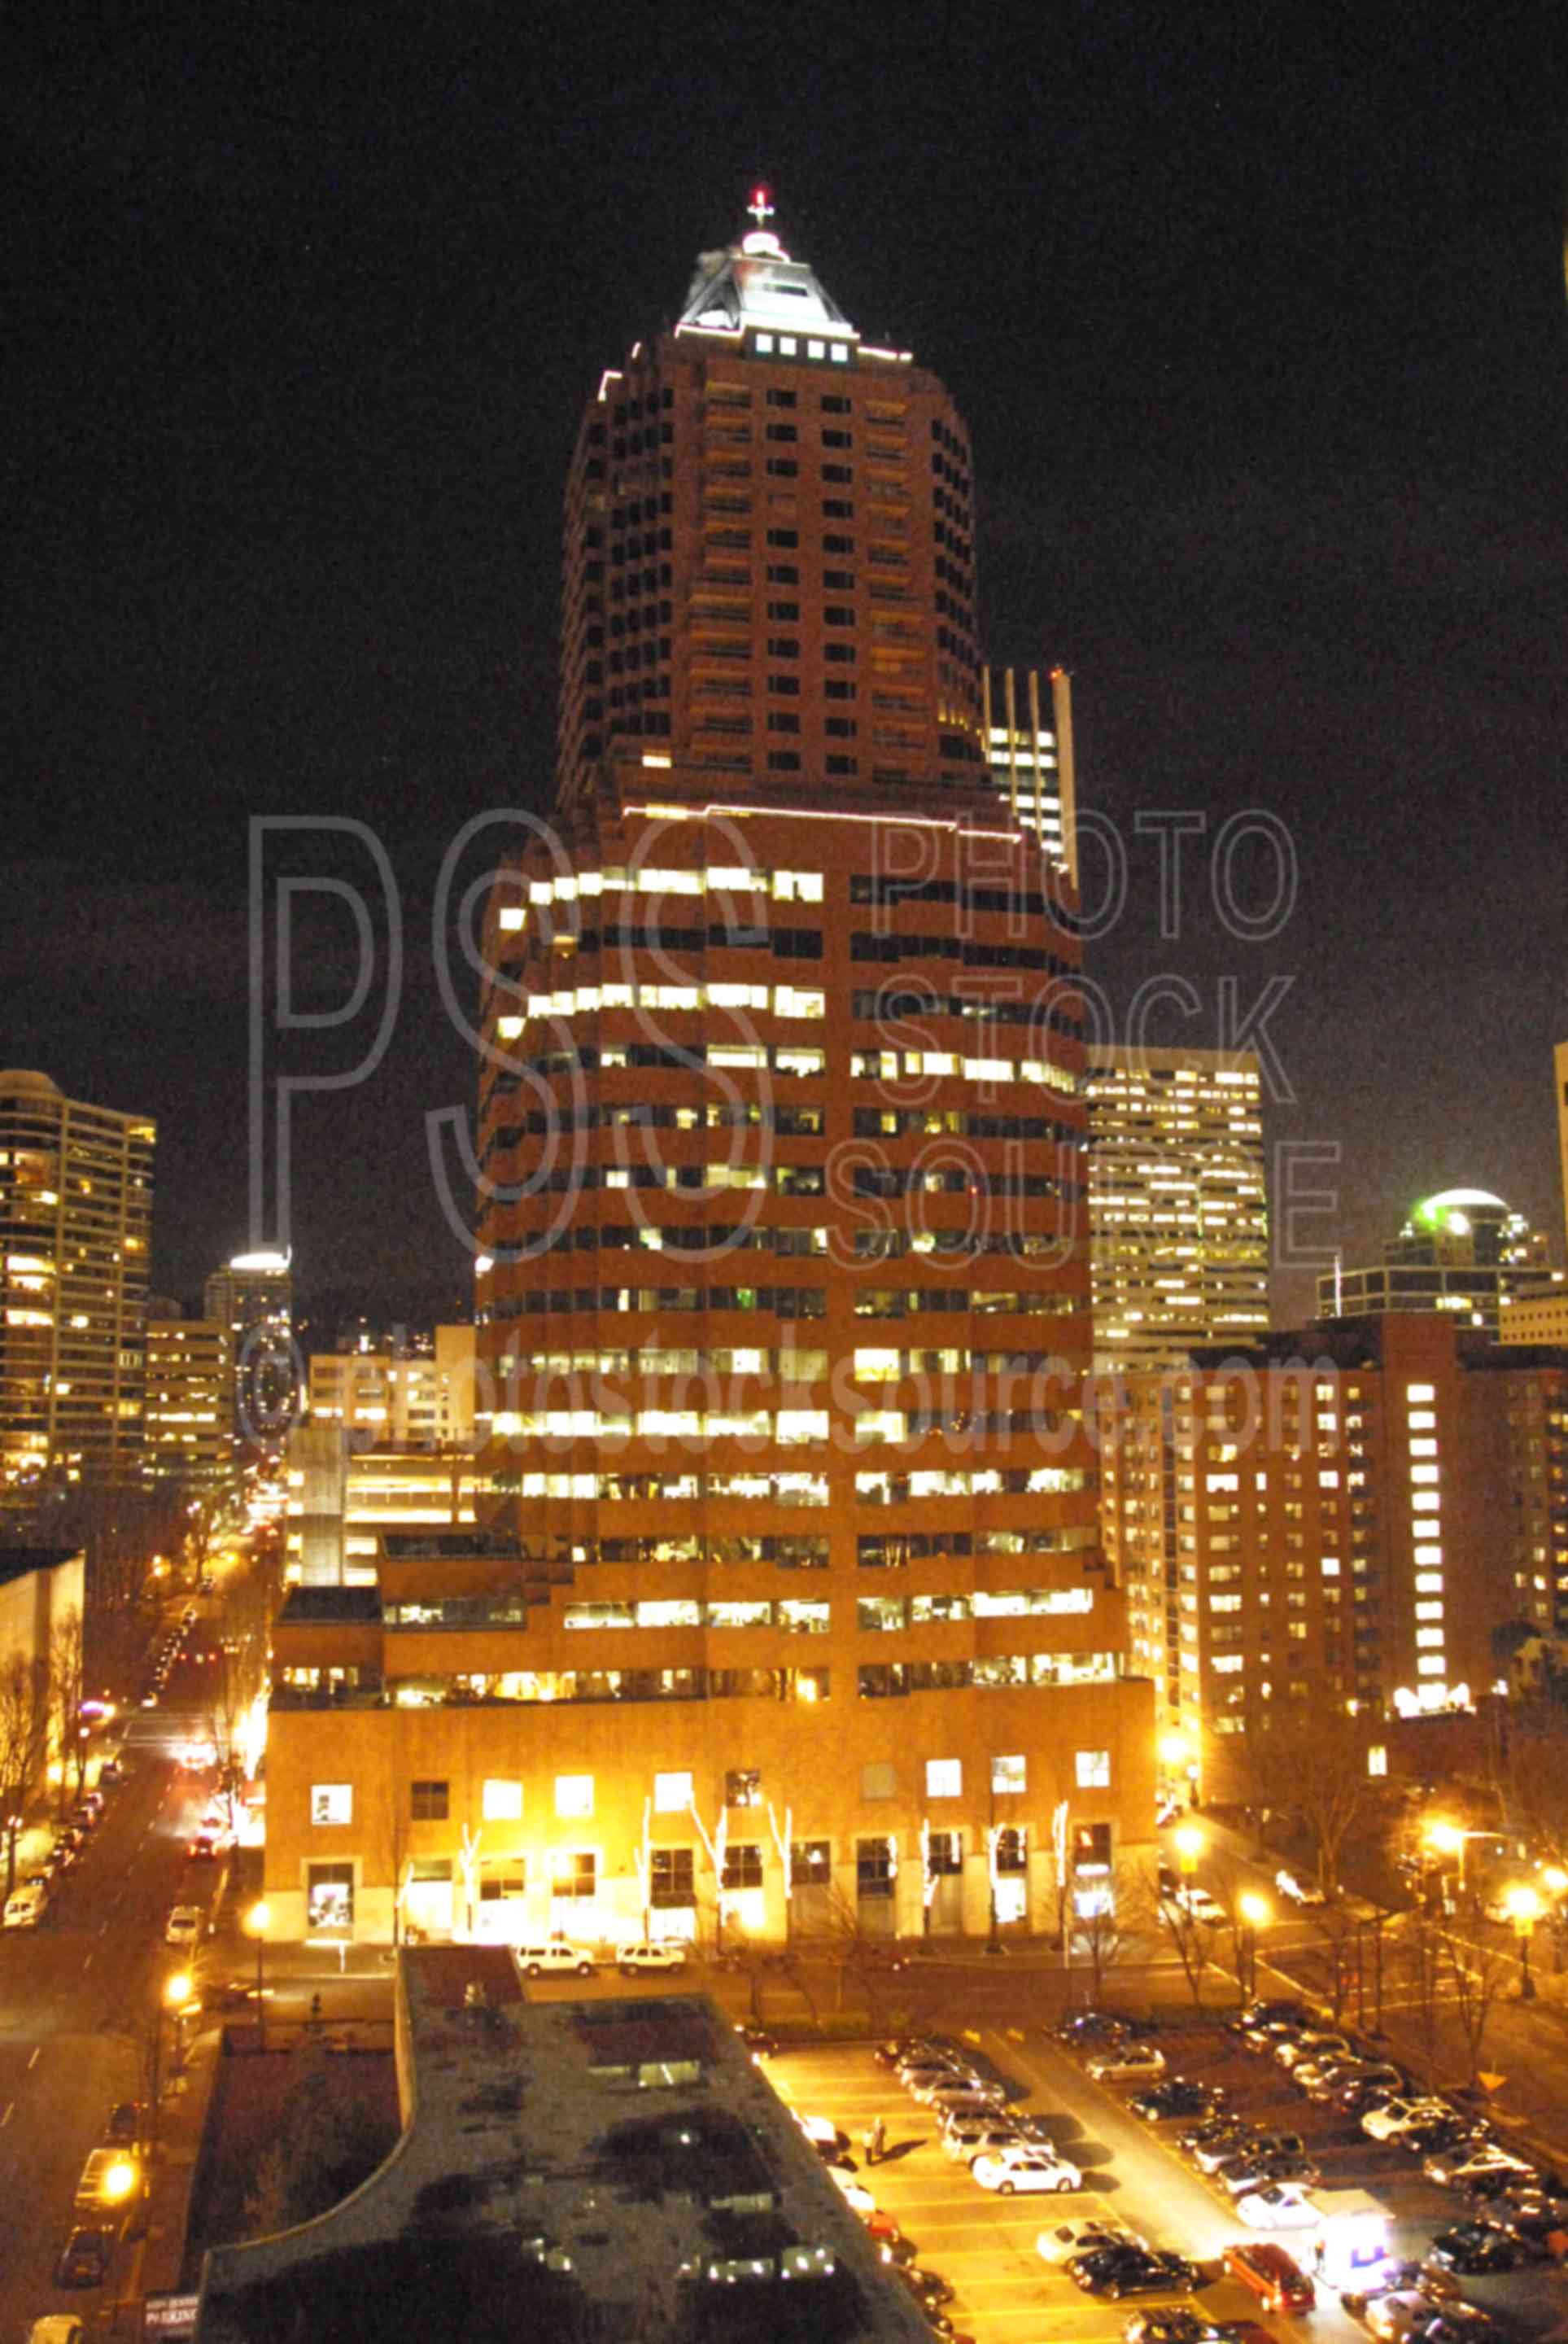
x=253, y=1297
x=1346, y=1514
x=1178, y=1204
x=75, y=1224
x=189, y=1403
x=784, y=1300
x=1463, y=1252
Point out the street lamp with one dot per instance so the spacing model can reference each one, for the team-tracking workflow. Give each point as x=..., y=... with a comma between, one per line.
x=257, y=1921
x=1525, y=1910
x=1256, y=1915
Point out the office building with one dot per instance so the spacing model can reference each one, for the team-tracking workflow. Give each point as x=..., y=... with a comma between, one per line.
x=1463, y=1252
x=1347, y=1514
x=393, y=1396
x=189, y=1405
x=1178, y=1204
x=1537, y=1314
x=784, y=1296
x=340, y=1498
x=253, y=1297
x=76, y=1223
x=1028, y=734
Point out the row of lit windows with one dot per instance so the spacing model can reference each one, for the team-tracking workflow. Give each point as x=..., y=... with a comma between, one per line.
x=875, y=1613
x=881, y=1489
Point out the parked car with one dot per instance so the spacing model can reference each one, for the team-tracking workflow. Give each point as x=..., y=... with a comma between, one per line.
x=1472, y=2247
x=1369, y=2088
x=1179, y=2096
x=1400, y=2315
x=85, y=2258
x=1084, y=2236
x=1270, y=2274
x=928, y=2288
x=1320, y=2078
x=1198, y=1905
x=1468, y=2162
x=1438, y=2133
x=1397, y=2116
x=1091, y=2027
x=1129, y=2063
x=27, y=1906
x=1224, y=2142
x=1277, y=2207
x=1259, y=2022
x=1533, y=2225
x=1115, y=2271
x=555, y=1959
x=1295, y=2050
x=1299, y=1891
x=907, y=2047
x=1012, y=2169
x=1253, y=2169
x=980, y=2135
x=1166, y=2323
x=829, y=2140
x=664, y=1954
x=964, y=2096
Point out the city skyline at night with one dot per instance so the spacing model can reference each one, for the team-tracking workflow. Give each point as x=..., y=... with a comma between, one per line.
x=1262, y=355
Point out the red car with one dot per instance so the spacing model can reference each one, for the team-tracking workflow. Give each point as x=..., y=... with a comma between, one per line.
x=1267, y=2271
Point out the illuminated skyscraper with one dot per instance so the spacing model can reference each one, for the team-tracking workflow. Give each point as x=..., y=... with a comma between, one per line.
x=253, y=1298
x=1463, y=1251
x=1028, y=747
x=190, y=1399
x=1178, y=1204
x=76, y=1223
x=784, y=1299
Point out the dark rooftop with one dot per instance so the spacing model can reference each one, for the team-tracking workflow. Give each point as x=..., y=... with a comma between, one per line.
x=303, y=1606
x=16, y=1561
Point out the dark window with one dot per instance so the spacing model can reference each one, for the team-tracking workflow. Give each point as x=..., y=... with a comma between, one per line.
x=574, y=1872
x=873, y=1868
x=810, y=1860
x=672, y=1878
x=1012, y=1849
x=430, y=1801
x=944, y=1854
x=743, y=1864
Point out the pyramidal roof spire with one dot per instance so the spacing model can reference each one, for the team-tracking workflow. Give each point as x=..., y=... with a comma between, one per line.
x=754, y=283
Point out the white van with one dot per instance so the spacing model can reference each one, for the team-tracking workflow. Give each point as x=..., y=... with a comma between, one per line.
x=555, y=1960
x=25, y=1906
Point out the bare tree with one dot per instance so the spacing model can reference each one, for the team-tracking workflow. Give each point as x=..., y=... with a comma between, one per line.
x=1418, y=1966
x=1171, y=1920
x=1316, y=1768
x=24, y=1744
x=1108, y=1931
x=1336, y=1927
x=1476, y=1975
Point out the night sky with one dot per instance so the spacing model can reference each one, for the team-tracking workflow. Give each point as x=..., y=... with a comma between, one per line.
x=1260, y=336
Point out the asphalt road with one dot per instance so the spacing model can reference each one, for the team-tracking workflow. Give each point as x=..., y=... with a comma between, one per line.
x=75, y=1998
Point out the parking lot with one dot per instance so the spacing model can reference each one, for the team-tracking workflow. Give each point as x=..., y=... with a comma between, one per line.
x=984, y=2245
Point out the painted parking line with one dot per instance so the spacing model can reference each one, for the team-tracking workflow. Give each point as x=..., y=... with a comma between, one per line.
x=37, y=2055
